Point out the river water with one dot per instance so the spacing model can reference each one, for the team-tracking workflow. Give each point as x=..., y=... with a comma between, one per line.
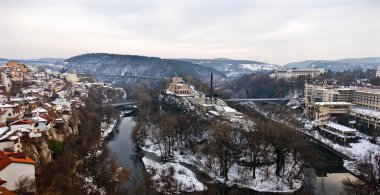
x=324, y=178
x=121, y=144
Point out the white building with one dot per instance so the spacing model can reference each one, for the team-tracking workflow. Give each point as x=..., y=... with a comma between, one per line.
x=378, y=72
x=340, y=132
x=10, y=140
x=3, y=97
x=70, y=77
x=290, y=73
x=23, y=124
x=9, y=110
x=39, y=111
x=43, y=124
x=6, y=81
x=62, y=104
x=366, y=116
x=13, y=166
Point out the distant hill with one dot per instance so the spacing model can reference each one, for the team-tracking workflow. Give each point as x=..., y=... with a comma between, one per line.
x=39, y=61
x=233, y=68
x=338, y=65
x=114, y=67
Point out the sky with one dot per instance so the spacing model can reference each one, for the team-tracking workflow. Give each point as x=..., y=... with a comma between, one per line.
x=273, y=31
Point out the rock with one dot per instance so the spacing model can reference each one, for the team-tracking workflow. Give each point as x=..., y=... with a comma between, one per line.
x=33, y=153
x=45, y=152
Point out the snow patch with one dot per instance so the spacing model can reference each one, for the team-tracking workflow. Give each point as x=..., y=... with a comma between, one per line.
x=184, y=178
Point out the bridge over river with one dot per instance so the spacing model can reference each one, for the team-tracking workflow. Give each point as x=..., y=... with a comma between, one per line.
x=257, y=99
x=122, y=103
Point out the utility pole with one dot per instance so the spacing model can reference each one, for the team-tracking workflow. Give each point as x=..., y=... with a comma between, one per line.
x=211, y=95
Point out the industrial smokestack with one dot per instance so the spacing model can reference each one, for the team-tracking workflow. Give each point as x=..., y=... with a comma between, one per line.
x=211, y=94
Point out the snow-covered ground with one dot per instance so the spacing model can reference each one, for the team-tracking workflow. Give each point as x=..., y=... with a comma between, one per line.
x=355, y=151
x=265, y=180
x=185, y=180
x=106, y=129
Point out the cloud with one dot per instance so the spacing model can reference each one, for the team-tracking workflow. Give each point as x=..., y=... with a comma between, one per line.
x=266, y=30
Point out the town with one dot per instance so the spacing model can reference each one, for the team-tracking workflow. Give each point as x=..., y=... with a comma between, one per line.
x=36, y=114
x=40, y=110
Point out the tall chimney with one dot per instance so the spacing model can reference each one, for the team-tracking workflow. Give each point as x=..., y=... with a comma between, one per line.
x=211, y=95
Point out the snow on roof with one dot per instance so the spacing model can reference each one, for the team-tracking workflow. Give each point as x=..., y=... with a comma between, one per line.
x=214, y=112
x=48, y=105
x=16, y=99
x=333, y=103
x=340, y=127
x=371, y=91
x=39, y=110
x=4, y=105
x=8, y=134
x=219, y=108
x=228, y=109
x=366, y=111
x=39, y=119
x=3, y=129
x=31, y=98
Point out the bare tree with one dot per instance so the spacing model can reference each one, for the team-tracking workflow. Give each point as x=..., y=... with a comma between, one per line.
x=222, y=146
x=25, y=184
x=368, y=170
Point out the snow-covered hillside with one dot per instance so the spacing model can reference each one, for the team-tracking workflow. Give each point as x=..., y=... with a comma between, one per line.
x=234, y=68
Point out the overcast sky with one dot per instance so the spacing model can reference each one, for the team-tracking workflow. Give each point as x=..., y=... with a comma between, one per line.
x=274, y=31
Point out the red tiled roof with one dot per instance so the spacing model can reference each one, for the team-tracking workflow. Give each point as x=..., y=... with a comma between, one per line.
x=5, y=191
x=6, y=158
x=2, y=181
x=23, y=121
x=45, y=116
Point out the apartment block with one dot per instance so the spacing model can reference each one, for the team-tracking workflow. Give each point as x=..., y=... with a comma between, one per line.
x=290, y=73
x=324, y=101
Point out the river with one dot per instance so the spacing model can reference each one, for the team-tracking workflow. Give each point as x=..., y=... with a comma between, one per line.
x=324, y=178
x=121, y=144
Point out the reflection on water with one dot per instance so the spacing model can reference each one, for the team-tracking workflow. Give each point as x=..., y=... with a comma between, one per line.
x=327, y=174
x=327, y=180
x=124, y=148
x=332, y=184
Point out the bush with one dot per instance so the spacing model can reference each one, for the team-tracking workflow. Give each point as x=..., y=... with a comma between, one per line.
x=57, y=148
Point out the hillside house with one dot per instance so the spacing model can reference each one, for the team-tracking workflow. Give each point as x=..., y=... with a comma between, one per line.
x=13, y=166
x=10, y=140
x=12, y=112
x=43, y=122
x=39, y=111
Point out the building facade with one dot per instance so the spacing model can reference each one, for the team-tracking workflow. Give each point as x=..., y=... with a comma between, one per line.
x=179, y=87
x=13, y=166
x=323, y=101
x=290, y=73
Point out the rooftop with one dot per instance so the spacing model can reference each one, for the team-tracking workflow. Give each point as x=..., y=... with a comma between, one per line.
x=333, y=103
x=6, y=158
x=366, y=111
x=340, y=127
